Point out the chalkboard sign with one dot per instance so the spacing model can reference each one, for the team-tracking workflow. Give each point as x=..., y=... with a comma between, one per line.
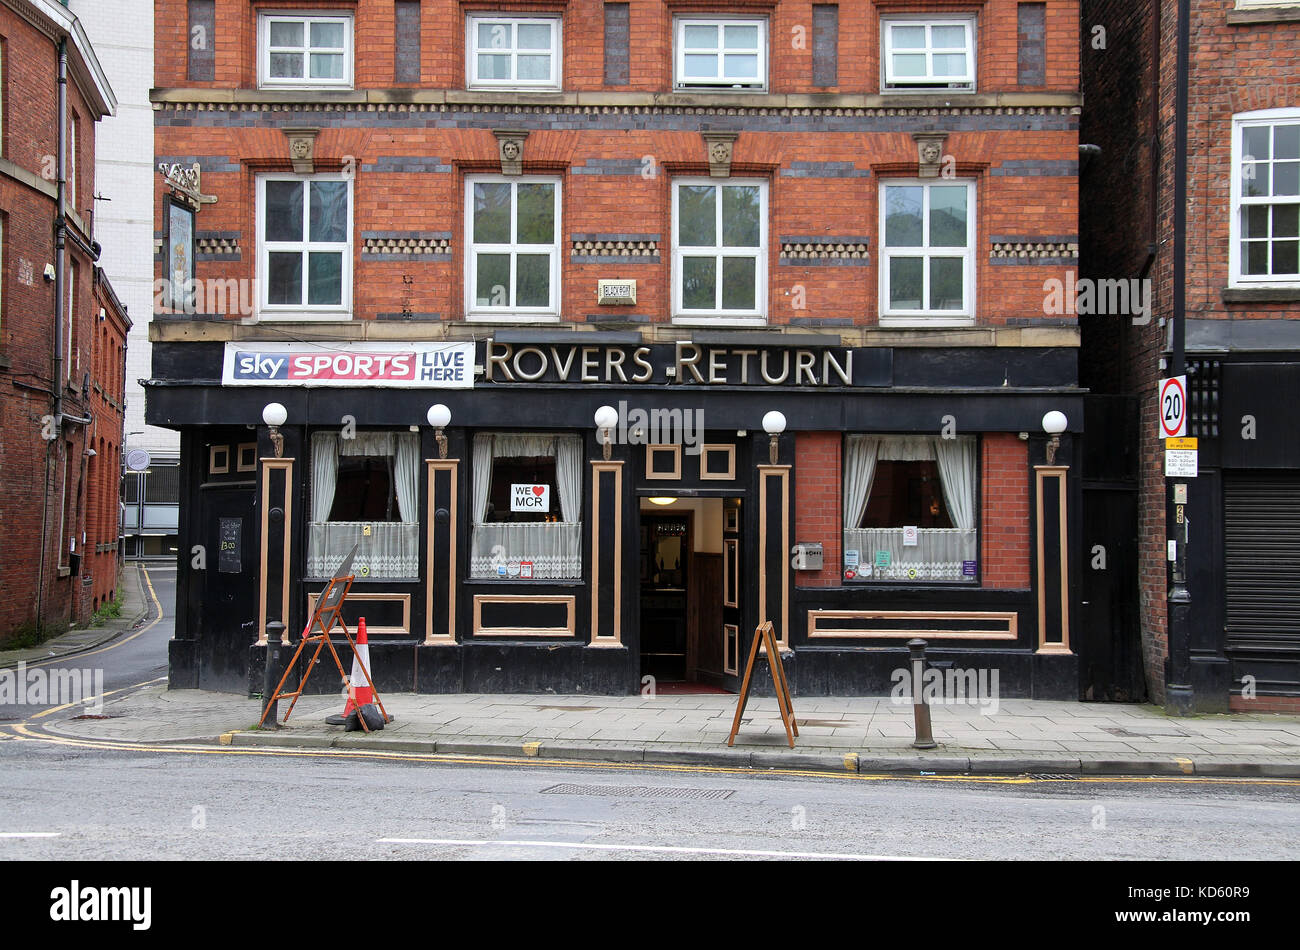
x=229, y=538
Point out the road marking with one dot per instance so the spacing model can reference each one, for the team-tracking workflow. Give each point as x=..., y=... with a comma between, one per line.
x=30, y=834
x=655, y=849
x=578, y=765
x=116, y=643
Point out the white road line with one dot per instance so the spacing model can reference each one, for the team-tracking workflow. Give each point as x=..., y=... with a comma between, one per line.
x=655, y=849
x=30, y=834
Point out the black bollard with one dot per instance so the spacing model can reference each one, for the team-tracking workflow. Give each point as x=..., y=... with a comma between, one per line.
x=271, y=674
x=920, y=709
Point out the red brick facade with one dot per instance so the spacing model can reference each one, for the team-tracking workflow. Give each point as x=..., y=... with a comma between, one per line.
x=818, y=505
x=635, y=197
x=1005, y=530
x=45, y=483
x=1242, y=60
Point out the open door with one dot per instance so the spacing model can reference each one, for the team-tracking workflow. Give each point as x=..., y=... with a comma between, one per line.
x=732, y=601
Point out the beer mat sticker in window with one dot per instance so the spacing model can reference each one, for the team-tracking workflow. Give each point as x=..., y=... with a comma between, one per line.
x=404, y=365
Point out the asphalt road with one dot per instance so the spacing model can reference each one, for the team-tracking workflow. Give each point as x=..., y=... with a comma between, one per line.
x=230, y=804
x=130, y=659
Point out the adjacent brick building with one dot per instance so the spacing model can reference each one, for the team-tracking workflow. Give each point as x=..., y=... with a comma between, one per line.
x=60, y=363
x=846, y=213
x=1242, y=333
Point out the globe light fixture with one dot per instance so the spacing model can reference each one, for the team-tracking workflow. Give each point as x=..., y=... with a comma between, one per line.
x=1054, y=424
x=606, y=418
x=773, y=425
x=439, y=417
x=275, y=415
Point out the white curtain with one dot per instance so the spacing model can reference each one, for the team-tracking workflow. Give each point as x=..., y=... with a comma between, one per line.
x=407, y=475
x=482, y=475
x=860, y=454
x=906, y=448
x=391, y=550
x=938, y=554
x=324, y=474
x=568, y=477
x=554, y=550
x=368, y=443
x=956, y=460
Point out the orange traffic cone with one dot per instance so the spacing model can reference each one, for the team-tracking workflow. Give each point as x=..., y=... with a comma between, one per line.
x=359, y=691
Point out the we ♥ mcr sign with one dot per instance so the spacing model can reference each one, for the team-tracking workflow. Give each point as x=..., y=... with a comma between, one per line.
x=536, y=498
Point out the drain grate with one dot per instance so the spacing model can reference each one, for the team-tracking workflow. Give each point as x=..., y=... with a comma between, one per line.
x=89, y=716
x=641, y=791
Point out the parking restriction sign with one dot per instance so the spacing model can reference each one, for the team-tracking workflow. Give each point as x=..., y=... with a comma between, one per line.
x=1173, y=407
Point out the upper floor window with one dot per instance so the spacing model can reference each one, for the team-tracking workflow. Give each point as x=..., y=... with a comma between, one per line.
x=513, y=250
x=927, y=267
x=514, y=52
x=1265, y=238
x=923, y=55
x=721, y=53
x=304, y=234
x=305, y=50
x=719, y=250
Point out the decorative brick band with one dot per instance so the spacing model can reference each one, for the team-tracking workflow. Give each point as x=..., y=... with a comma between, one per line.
x=406, y=245
x=625, y=248
x=851, y=251
x=217, y=246
x=586, y=109
x=421, y=164
x=824, y=170
x=1030, y=251
x=533, y=116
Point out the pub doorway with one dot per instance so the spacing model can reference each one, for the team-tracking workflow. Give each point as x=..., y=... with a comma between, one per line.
x=683, y=642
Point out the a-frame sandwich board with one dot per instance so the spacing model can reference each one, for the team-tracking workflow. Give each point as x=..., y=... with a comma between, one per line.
x=765, y=636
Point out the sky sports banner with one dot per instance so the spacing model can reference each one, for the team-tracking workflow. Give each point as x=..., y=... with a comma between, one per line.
x=392, y=365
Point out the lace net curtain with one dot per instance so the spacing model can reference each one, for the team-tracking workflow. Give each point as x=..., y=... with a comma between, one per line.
x=391, y=549
x=554, y=548
x=939, y=552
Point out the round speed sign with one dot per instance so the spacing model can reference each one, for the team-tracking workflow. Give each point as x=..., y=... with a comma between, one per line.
x=1173, y=407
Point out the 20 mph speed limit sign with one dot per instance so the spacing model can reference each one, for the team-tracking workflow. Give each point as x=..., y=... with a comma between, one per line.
x=1173, y=407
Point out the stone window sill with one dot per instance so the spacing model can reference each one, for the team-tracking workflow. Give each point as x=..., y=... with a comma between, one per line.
x=1261, y=294
x=1250, y=17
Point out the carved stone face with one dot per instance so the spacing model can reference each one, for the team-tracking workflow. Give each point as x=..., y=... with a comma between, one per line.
x=721, y=153
x=300, y=148
x=931, y=152
x=511, y=150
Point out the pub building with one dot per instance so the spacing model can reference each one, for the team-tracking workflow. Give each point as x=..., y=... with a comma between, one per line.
x=591, y=509
x=604, y=345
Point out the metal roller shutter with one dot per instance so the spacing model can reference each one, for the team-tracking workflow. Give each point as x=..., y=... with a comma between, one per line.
x=1261, y=540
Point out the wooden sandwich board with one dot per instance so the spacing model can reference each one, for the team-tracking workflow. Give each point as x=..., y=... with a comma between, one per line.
x=766, y=637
